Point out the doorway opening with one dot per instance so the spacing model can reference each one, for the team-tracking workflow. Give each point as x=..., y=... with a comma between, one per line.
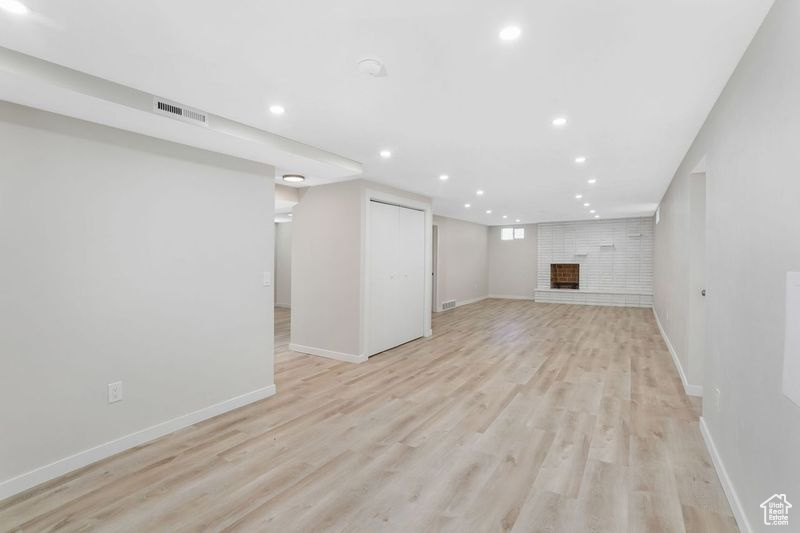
x=697, y=277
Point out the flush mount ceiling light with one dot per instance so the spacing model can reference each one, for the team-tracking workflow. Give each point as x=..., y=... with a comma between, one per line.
x=586, y=204
x=479, y=192
x=386, y=154
x=444, y=177
x=488, y=211
x=510, y=33
x=277, y=109
x=592, y=211
x=578, y=196
x=505, y=216
x=580, y=159
x=597, y=216
x=517, y=220
x=559, y=121
x=13, y=6
x=294, y=178
x=591, y=181
x=372, y=67
x=467, y=206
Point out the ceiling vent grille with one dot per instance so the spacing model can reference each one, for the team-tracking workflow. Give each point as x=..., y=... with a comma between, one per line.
x=179, y=112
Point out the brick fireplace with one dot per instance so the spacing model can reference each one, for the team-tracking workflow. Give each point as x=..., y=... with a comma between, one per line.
x=565, y=276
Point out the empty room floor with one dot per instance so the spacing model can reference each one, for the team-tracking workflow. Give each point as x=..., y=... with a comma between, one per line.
x=514, y=416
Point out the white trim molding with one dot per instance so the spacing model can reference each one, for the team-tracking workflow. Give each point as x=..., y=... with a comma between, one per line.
x=330, y=354
x=28, y=480
x=459, y=303
x=510, y=297
x=725, y=480
x=691, y=390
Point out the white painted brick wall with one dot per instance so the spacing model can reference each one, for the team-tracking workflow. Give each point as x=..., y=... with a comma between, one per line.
x=619, y=274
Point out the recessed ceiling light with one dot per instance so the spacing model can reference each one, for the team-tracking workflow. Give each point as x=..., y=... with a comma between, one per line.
x=386, y=154
x=293, y=178
x=467, y=205
x=510, y=33
x=14, y=6
x=591, y=181
x=505, y=216
x=488, y=211
x=580, y=159
x=578, y=196
x=559, y=121
x=444, y=177
x=592, y=211
x=479, y=192
x=290, y=214
x=586, y=204
x=597, y=216
x=277, y=109
x=517, y=220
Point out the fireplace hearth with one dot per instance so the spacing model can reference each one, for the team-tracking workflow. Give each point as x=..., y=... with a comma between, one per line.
x=565, y=276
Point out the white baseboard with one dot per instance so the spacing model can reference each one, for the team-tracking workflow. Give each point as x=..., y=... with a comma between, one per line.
x=283, y=306
x=691, y=390
x=429, y=333
x=25, y=481
x=725, y=480
x=459, y=303
x=510, y=297
x=330, y=354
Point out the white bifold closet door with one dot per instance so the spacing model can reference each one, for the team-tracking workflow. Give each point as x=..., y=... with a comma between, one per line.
x=396, y=276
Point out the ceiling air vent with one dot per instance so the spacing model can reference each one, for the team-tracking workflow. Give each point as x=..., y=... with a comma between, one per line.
x=180, y=112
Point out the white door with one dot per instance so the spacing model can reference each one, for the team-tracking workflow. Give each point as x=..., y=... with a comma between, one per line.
x=396, y=306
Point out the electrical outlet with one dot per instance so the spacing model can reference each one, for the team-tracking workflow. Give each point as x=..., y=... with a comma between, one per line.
x=114, y=392
x=717, y=398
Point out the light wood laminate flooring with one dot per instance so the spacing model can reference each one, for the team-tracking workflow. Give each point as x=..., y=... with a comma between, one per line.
x=514, y=416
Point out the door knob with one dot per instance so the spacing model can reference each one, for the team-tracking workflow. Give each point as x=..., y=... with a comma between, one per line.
x=703, y=292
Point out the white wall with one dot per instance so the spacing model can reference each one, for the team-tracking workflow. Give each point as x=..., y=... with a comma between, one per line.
x=463, y=268
x=123, y=258
x=672, y=270
x=283, y=264
x=513, y=264
x=615, y=257
x=326, y=268
x=750, y=143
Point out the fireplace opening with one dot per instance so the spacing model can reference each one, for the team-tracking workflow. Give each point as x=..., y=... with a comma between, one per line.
x=565, y=276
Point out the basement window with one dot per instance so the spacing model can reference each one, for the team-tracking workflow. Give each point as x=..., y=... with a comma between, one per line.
x=509, y=234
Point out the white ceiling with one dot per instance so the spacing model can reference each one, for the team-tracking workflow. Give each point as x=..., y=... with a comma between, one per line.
x=634, y=78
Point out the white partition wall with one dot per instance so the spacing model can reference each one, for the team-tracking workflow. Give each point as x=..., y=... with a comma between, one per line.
x=396, y=276
x=333, y=261
x=615, y=258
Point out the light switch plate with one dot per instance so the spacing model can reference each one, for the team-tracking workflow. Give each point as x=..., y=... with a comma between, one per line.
x=267, y=279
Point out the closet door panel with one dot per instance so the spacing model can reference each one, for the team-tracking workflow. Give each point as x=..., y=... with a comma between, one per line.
x=411, y=275
x=383, y=258
x=396, y=276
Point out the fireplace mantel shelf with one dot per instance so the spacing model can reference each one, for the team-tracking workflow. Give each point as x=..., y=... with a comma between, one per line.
x=600, y=291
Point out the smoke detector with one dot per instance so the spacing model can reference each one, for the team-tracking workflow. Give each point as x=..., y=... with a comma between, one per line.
x=372, y=67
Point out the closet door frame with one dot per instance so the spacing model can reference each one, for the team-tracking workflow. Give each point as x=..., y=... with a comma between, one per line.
x=387, y=198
